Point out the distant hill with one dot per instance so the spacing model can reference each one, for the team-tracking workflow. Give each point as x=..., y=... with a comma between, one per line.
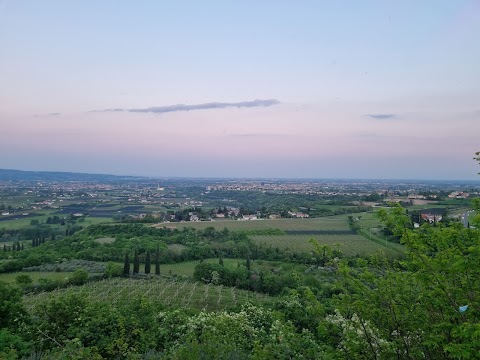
x=16, y=175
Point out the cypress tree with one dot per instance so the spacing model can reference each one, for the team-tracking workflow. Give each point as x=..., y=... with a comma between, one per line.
x=126, y=265
x=220, y=261
x=21, y=247
x=248, y=262
x=157, y=261
x=4, y=247
x=147, y=263
x=136, y=262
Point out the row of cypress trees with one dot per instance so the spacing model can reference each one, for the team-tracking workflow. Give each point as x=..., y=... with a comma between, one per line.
x=15, y=247
x=136, y=263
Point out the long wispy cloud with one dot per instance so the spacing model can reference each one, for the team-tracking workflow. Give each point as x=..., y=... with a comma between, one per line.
x=205, y=106
x=382, y=116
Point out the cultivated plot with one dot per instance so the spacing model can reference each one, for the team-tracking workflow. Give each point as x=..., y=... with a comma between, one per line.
x=166, y=291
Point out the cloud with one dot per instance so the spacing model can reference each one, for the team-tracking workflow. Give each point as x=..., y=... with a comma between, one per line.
x=247, y=135
x=205, y=106
x=49, y=114
x=382, y=116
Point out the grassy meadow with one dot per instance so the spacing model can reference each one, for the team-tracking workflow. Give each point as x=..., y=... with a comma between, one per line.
x=348, y=244
x=36, y=275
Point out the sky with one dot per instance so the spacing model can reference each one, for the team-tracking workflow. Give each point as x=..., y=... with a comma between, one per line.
x=288, y=89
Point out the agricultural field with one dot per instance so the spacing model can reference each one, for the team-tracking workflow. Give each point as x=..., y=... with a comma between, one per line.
x=338, y=222
x=20, y=221
x=187, y=268
x=348, y=244
x=36, y=275
x=169, y=292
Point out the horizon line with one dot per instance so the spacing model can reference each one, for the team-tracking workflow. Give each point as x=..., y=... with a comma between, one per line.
x=242, y=178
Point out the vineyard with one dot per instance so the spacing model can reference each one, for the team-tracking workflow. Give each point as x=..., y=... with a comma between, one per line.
x=348, y=244
x=171, y=292
x=338, y=222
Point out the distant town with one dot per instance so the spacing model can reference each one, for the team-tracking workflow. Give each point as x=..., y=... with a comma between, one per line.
x=38, y=197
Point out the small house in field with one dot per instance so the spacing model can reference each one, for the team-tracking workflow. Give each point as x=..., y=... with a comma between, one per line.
x=433, y=215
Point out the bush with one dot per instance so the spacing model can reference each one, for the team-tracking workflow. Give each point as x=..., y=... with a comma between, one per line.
x=23, y=280
x=79, y=276
x=113, y=269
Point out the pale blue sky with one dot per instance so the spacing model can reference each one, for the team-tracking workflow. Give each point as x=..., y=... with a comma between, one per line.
x=334, y=66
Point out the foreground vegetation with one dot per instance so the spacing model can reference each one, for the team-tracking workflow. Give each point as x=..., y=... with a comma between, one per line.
x=425, y=306
x=358, y=285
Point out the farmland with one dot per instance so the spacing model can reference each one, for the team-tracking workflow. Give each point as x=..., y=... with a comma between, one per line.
x=348, y=244
x=333, y=231
x=36, y=275
x=338, y=222
x=169, y=292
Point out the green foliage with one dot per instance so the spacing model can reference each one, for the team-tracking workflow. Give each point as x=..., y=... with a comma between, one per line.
x=147, y=263
x=476, y=206
x=113, y=269
x=12, y=312
x=157, y=261
x=136, y=262
x=126, y=265
x=23, y=280
x=411, y=309
x=13, y=346
x=252, y=333
x=79, y=276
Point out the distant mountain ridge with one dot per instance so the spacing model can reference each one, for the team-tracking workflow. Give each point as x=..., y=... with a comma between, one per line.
x=16, y=175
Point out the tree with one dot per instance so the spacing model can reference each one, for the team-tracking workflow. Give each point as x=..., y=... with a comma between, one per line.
x=126, y=265
x=424, y=307
x=477, y=157
x=113, y=269
x=79, y=277
x=157, y=261
x=147, y=262
x=136, y=262
x=11, y=306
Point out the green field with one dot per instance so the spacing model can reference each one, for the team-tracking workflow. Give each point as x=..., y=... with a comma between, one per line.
x=22, y=221
x=338, y=222
x=188, y=267
x=336, y=233
x=348, y=244
x=166, y=291
x=35, y=275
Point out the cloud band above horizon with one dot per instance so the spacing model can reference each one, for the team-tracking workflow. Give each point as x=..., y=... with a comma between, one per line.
x=381, y=116
x=205, y=106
